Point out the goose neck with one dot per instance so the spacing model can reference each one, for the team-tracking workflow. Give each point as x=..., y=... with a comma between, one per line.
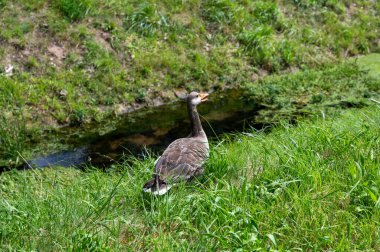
x=196, y=126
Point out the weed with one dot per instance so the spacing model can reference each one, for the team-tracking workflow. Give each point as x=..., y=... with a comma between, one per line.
x=98, y=57
x=265, y=12
x=147, y=20
x=83, y=241
x=77, y=117
x=309, y=3
x=287, y=51
x=219, y=11
x=12, y=123
x=2, y=4
x=33, y=5
x=55, y=26
x=32, y=63
x=12, y=139
x=74, y=10
x=259, y=44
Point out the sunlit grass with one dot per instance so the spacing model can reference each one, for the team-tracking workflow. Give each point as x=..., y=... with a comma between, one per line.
x=371, y=63
x=110, y=53
x=313, y=186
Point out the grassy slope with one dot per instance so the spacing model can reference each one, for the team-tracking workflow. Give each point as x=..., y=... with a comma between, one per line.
x=313, y=91
x=313, y=186
x=281, y=97
x=78, y=61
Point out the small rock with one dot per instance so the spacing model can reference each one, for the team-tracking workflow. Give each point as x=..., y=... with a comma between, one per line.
x=9, y=70
x=121, y=109
x=26, y=52
x=180, y=93
x=294, y=69
x=167, y=95
x=254, y=77
x=263, y=72
x=207, y=47
x=105, y=35
x=90, y=70
x=157, y=101
x=63, y=93
x=137, y=106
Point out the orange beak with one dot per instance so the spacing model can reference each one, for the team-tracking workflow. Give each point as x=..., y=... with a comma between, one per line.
x=203, y=96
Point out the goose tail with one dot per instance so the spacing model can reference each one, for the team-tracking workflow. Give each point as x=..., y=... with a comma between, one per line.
x=156, y=186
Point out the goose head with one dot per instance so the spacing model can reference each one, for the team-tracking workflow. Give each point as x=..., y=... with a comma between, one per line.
x=194, y=98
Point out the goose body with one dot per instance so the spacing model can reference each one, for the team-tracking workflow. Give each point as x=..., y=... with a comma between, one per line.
x=183, y=159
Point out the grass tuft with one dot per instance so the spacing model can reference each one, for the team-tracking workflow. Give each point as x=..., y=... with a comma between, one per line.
x=12, y=140
x=146, y=20
x=74, y=10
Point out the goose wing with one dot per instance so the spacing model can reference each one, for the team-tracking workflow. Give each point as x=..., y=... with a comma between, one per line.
x=182, y=160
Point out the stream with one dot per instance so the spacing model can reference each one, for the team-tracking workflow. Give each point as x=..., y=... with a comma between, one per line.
x=152, y=128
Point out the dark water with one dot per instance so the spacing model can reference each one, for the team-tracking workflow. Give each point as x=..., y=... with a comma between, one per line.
x=154, y=129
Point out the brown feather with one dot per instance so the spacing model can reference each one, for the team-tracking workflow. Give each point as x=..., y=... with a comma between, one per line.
x=182, y=160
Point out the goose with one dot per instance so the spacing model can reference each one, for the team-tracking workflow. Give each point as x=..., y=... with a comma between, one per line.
x=183, y=159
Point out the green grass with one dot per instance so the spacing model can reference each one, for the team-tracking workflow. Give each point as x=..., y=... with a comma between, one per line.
x=12, y=139
x=73, y=10
x=312, y=187
x=371, y=63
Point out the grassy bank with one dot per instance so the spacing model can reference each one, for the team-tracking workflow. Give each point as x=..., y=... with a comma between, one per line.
x=72, y=62
x=279, y=96
x=314, y=91
x=314, y=186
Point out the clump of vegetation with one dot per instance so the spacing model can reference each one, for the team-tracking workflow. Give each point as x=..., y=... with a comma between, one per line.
x=12, y=137
x=308, y=91
x=74, y=10
x=261, y=191
x=12, y=124
x=333, y=4
x=147, y=20
x=260, y=45
x=2, y=4
x=266, y=13
x=220, y=11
